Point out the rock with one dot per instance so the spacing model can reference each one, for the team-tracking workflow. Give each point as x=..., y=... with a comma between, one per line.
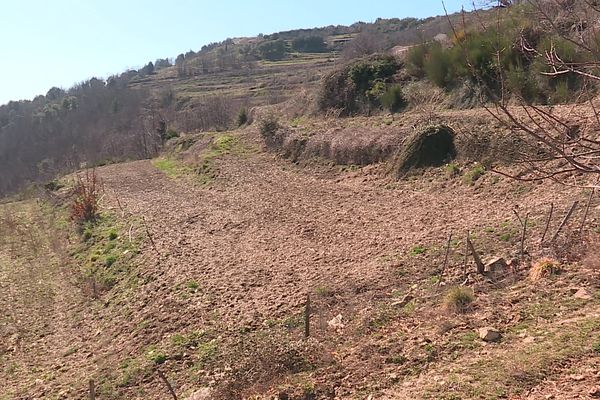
x=489, y=334
x=405, y=300
x=495, y=264
x=594, y=392
x=336, y=322
x=577, y=378
x=528, y=339
x=202, y=394
x=583, y=294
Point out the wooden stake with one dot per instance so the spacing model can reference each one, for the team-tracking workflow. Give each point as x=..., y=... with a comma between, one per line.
x=445, y=260
x=587, y=211
x=164, y=379
x=523, y=233
x=307, y=317
x=523, y=236
x=466, y=254
x=547, y=223
x=480, y=266
x=92, y=390
x=564, y=221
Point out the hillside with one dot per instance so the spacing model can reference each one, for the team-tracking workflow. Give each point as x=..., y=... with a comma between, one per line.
x=418, y=220
x=219, y=290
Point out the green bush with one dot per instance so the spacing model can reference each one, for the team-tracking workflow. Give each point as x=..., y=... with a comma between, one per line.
x=393, y=99
x=273, y=50
x=242, y=117
x=309, y=44
x=269, y=127
x=358, y=87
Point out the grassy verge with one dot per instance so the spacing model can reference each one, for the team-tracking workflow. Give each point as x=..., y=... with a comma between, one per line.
x=204, y=171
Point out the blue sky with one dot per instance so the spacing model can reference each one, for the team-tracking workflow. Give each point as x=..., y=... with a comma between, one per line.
x=47, y=43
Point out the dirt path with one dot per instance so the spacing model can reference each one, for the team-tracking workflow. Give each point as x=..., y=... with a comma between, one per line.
x=267, y=231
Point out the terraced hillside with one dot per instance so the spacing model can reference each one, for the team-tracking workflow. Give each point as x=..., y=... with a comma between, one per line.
x=205, y=278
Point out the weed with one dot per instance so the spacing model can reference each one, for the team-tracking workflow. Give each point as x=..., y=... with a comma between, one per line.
x=110, y=260
x=156, y=356
x=505, y=237
x=87, y=196
x=452, y=170
x=324, y=291
x=112, y=234
x=459, y=299
x=206, y=352
x=416, y=250
x=474, y=174
x=192, y=285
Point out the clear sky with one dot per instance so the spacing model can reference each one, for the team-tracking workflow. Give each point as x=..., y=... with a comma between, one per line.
x=47, y=43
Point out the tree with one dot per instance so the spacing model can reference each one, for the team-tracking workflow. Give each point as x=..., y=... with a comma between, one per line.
x=563, y=142
x=148, y=69
x=309, y=44
x=273, y=50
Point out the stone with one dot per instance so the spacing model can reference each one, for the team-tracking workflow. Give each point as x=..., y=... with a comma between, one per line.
x=405, y=300
x=495, y=264
x=595, y=392
x=489, y=334
x=583, y=294
x=336, y=322
x=202, y=394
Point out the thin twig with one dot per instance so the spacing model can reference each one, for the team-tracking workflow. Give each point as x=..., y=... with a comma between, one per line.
x=564, y=221
x=164, y=379
x=445, y=260
x=587, y=211
x=547, y=223
x=307, y=317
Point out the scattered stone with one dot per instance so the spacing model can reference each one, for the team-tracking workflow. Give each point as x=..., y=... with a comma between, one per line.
x=202, y=394
x=405, y=300
x=336, y=322
x=495, y=264
x=528, y=339
x=489, y=334
x=577, y=378
x=595, y=392
x=582, y=294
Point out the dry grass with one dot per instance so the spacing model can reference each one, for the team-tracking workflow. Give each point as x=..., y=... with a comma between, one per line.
x=543, y=268
x=459, y=299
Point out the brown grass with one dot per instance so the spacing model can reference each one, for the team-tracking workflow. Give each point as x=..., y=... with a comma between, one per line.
x=543, y=268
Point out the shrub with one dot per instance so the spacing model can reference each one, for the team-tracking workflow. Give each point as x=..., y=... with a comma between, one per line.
x=309, y=44
x=273, y=50
x=459, y=299
x=269, y=127
x=431, y=146
x=357, y=87
x=170, y=134
x=242, y=117
x=87, y=196
x=393, y=99
x=415, y=60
